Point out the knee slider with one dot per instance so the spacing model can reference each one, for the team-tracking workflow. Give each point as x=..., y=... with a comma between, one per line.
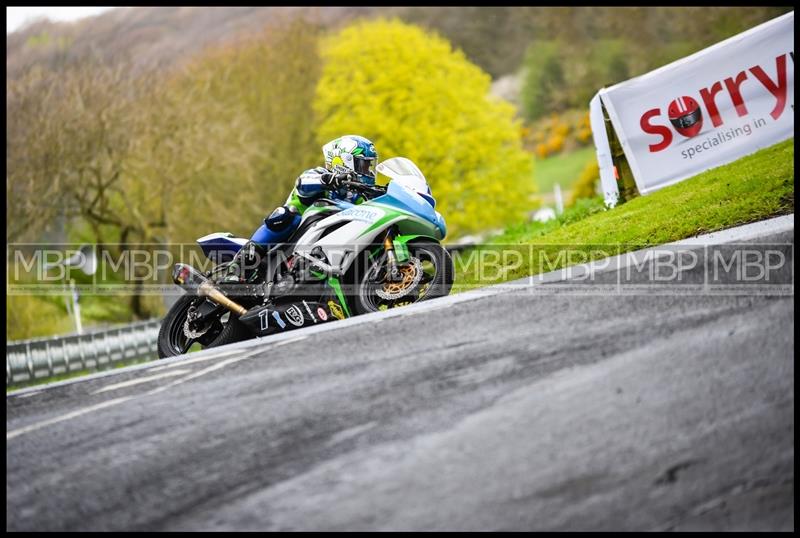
x=280, y=219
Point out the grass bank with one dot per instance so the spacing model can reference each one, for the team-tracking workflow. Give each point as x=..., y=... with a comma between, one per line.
x=753, y=188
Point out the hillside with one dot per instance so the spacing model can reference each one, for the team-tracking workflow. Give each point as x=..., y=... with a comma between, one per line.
x=151, y=36
x=493, y=38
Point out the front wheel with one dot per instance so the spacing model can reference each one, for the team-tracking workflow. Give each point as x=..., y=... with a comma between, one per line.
x=427, y=274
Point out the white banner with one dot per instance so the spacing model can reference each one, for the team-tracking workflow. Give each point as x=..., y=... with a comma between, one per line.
x=709, y=108
x=605, y=162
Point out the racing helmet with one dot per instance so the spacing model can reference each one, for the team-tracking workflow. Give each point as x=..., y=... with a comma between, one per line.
x=352, y=153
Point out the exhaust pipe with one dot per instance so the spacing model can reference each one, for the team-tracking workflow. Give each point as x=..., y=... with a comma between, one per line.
x=189, y=279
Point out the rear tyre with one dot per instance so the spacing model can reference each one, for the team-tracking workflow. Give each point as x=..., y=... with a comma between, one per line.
x=172, y=339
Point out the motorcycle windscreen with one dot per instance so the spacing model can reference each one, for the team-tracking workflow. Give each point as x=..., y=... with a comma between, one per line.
x=405, y=173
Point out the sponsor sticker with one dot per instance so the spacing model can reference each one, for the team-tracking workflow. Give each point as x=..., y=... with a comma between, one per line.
x=362, y=214
x=336, y=310
x=278, y=319
x=264, y=319
x=294, y=316
x=311, y=314
x=321, y=313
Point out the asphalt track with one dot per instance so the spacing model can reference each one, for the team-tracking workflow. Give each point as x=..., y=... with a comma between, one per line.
x=538, y=407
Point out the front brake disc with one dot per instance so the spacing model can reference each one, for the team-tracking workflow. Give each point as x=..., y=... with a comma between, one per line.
x=412, y=274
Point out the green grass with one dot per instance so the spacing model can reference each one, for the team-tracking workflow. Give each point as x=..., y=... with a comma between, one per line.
x=32, y=316
x=563, y=169
x=753, y=188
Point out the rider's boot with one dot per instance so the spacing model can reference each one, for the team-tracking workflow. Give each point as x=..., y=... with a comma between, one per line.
x=277, y=227
x=245, y=264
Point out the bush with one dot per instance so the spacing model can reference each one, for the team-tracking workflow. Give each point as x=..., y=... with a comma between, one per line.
x=555, y=144
x=586, y=185
x=34, y=316
x=415, y=96
x=555, y=133
x=541, y=150
x=584, y=136
x=562, y=129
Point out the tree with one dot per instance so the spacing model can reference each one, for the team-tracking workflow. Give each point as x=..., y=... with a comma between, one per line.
x=28, y=180
x=607, y=65
x=69, y=137
x=253, y=126
x=123, y=159
x=544, y=87
x=414, y=96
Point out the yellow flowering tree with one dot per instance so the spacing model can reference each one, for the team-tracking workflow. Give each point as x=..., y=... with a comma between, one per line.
x=415, y=96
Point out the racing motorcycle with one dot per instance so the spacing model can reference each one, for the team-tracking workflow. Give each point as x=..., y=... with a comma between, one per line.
x=342, y=260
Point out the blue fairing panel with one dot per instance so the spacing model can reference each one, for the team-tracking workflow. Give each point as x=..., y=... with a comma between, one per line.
x=397, y=196
x=441, y=224
x=266, y=237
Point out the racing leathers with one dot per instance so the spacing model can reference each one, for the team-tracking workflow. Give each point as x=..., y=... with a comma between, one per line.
x=310, y=186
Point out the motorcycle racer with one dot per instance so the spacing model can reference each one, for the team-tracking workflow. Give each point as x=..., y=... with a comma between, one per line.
x=348, y=154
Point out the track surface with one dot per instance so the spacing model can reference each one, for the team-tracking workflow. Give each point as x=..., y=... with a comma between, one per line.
x=520, y=411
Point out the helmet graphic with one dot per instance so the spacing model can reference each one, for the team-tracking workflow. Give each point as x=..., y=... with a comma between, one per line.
x=352, y=153
x=685, y=115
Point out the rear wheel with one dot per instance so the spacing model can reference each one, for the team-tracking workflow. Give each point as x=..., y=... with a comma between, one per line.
x=427, y=274
x=173, y=339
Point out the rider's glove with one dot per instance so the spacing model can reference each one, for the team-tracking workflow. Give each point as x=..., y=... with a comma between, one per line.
x=330, y=180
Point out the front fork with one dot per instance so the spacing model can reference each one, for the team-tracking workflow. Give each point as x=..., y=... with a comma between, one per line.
x=391, y=257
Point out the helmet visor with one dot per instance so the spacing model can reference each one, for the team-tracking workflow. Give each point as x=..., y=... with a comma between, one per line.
x=365, y=166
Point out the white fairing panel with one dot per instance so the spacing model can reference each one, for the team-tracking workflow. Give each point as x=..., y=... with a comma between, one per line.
x=344, y=244
x=346, y=239
x=222, y=235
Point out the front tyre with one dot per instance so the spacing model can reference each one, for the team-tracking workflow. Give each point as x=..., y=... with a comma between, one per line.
x=427, y=274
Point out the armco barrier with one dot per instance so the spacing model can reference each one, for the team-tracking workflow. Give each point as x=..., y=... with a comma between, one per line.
x=41, y=358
